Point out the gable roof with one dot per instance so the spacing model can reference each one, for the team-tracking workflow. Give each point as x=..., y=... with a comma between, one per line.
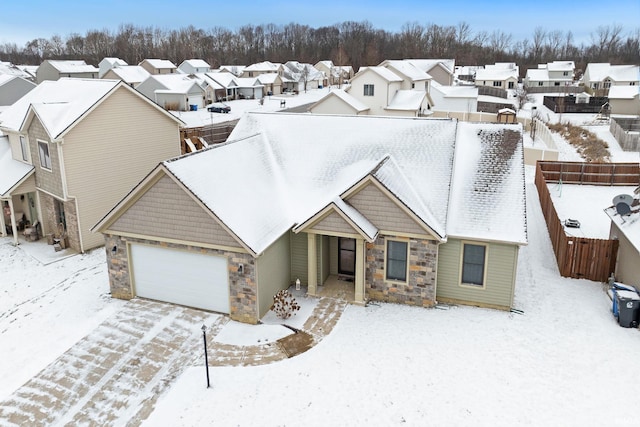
x=130, y=73
x=176, y=83
x=159, y=64
x=599, y=71
x=61, y=103
x=196, y=63
x=496, y=73
x=7, y=68
x=350, y=100
x=263, y=66
x=408, y=69
x=224, y=79
x=447, y=65
x=383, y=72
x=281, y=180
x=623, y=92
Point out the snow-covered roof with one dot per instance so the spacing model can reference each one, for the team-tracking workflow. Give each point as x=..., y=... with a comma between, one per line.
x=13, y=171
x=263, y=66
x=383, y=72
x=455, y=91
x=196, y=63
x=6, y=78
x=176, y=83
x=114, y=62
x=160, y=64
x=267, y=78
x=537, y=74
x=6, y=68
x=599, y=71
x=407, y=100
x=628, y=224
x=283, y=174
x=496, y=73
x=131, y=73
x=295, y=71
x=407, y=68
x=70, y=67
x=426, y=64
x=487, y=191
x=623, y=92
x=345, y=97
x=561, y=66
x=224, y=79
x=236, y=70
x=58, y=104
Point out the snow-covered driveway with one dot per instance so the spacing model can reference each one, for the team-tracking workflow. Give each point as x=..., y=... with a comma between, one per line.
x=114, y=375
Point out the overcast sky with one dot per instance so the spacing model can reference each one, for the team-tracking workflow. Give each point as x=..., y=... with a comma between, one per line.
x=25, y=20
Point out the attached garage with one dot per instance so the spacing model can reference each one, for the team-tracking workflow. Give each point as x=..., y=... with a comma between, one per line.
x=180, y=277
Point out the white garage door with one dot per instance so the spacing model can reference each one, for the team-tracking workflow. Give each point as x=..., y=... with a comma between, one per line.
x=195, y=100
x=180, y=277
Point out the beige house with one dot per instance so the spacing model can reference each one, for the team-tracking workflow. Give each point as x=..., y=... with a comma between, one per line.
x=339, y=102
x=158, y=66
x=626, y=230
x=498, y=76
x=54, y=70
x=175, y=92
x=390, y=209
x=265, y=67
x=132, y=75
x=272, y=83
x=441, y=71
x=76, y=147
x=109, y=63
x=624, y=100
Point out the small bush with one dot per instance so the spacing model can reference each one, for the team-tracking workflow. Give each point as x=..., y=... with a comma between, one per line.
x=284, y=304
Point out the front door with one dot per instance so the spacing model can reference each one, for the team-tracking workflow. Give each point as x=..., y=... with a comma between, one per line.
x=346, y=256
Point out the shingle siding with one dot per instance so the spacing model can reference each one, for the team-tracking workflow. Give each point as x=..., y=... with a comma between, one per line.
x=167, y=211
x=333, y=223
x=382, y=212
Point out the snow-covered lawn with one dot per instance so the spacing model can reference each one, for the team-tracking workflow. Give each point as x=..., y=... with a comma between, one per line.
x=564, y=362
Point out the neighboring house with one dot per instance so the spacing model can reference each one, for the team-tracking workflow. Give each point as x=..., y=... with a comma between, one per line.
x=108, y=63
x=454, y=98
x=13, y=88
x=194, y=66
x=339, y=102
x=466, y=73
x=381, y=90
x=626, y=230
x=236, y=70
x=30, y=70
x=158, y=66
x=228, y=83
x=54, y=70
x=272, y=83
x=552, y=74
x=389, y=207
x=334, y=74
x=299, y=77
x=7, y=68
x=440, y=70
x=176, y=92
x=132, y=75
x=502, y=75
x=76, y=147
x=249, y=88
x=412, y=76
x=624, y=100
x=254, y=70
x=599, y=77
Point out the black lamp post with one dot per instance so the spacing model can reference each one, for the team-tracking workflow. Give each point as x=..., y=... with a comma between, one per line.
x=206, y=357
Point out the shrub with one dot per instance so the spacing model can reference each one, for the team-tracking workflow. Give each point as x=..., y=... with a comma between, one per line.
x=588, y=145
x=284, y=304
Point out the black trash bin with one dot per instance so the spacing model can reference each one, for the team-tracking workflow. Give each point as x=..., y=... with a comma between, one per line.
x=628, y=308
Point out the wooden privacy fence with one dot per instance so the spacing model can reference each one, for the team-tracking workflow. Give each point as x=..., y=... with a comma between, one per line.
x=581, y=257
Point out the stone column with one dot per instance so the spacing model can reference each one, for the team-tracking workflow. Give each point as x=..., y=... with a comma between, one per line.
x=312, y=265
x=359, y=279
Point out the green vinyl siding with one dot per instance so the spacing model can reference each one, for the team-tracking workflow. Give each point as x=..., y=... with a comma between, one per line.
x=500, y=281
x=272, y=272
x=299, y=266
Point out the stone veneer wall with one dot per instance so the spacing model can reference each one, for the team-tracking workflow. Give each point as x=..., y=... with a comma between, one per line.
x=243, y=287
x=71, y=219
x=420, y=286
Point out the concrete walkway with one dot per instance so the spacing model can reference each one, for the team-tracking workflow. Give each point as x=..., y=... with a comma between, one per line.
x=115, y=375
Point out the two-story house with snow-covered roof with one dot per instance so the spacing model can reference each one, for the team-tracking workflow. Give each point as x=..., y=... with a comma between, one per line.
x=502, y=75
x=108, y=63
x=158, y=66
x=551, y=74
x=599, y=77
x=132, y=75
x=404, y=210
x=177, y=92
x=254, y=70
x=74, y=147
x=194, y=66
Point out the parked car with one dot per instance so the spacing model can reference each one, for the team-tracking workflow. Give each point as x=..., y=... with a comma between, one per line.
x=219, y=107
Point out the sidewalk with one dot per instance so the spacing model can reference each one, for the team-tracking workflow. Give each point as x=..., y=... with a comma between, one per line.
x=114, y=375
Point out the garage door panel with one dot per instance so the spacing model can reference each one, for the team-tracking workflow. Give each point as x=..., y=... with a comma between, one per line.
x=181, y=277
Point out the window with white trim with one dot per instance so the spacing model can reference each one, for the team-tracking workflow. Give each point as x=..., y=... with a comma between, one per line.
x=473, y=264
x=497, y=84
x=24, y=149
x=368, y=90
x=397, y=258
x=45, y=158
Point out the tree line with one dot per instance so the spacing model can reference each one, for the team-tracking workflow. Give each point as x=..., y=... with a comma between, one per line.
x=347, y=43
